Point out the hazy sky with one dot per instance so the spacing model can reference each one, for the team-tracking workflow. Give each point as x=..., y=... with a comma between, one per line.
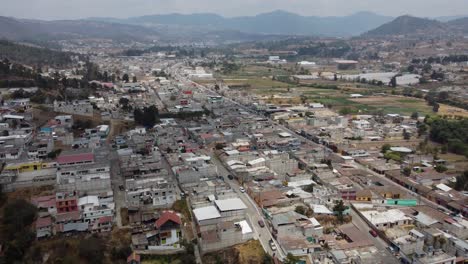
x=72, y=9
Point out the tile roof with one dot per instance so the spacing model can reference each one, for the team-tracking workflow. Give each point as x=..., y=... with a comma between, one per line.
x=75, y=157
x=105, y=219
x=167, y=216
x=43, y=222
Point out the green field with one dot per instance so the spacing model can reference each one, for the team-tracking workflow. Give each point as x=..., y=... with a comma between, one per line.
x=257, y=79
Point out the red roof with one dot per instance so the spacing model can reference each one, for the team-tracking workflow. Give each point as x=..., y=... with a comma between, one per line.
x=105, y=219
x=107, y=84
x=450, y=220
x=166, y=216
x=74, y=158
x=43, y=222
x=44, y=201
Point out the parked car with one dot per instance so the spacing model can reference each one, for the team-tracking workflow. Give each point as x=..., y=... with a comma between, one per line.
x=261, y=223
x=230, y=177
x=373, y=233
x=272, y=245
x=241, y=189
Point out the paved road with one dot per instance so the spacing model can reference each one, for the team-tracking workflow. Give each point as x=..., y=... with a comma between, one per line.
x=116, y=181
x=422, y=200
x=262, y=233
x=253, y=212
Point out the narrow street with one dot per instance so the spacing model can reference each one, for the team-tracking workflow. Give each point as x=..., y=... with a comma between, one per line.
x=116, y=181
x=253, y=212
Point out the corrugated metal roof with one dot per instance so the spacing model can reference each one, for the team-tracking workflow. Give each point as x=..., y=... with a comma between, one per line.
x=230, y=204
x=206, y=213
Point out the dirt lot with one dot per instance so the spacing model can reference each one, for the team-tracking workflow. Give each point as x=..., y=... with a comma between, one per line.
x=395, y=104
x=247, y=253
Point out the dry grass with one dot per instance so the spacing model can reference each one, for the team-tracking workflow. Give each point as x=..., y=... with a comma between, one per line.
x=452, y=111
x=124, y=216
x=250, y=252
x=28, y=193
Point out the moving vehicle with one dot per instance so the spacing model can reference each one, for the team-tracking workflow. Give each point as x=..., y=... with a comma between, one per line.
x=241, y=189
x=373, y=233
x=261, y=223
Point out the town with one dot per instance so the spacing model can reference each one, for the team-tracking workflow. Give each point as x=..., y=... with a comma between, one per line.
x=325, y=151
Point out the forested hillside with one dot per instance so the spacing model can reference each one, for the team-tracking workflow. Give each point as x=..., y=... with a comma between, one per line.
x=33, y=56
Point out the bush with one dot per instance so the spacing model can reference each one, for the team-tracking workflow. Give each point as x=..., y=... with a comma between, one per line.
x=92, y=249
x=18, y=215
x=440, y=168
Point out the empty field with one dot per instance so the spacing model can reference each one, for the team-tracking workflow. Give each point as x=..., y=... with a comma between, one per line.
x=396, y=105
x=264, y=84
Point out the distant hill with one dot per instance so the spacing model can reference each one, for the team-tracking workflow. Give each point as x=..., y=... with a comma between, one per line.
x=276, y=22
x=30, y=55
x=23, y=30
x=405, y=25
x=460, y=24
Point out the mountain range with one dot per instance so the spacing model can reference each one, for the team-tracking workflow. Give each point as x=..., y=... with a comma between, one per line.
x=276, y=22
x=40, y=30
x=409, y=25
x=211, y=27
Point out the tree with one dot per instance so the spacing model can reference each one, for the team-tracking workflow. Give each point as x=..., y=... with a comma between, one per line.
x=427, y=68
x=303, y=98
x=300, y=210
x=18, y=215
x=435, y=107
x=385, y=148
x=105, y=77
x=444, y=149
x=267, y=259
x=442, y=96
x=415, y=115
x=407, y=171
x=220, y=146
x=461, y=183
x=124, y=102
x=406, y=135
x=54, y=154
x=393, y=82
x=339, y=209
x=345, y=111
x=125, y=78
x=309, y=188
x=390, y=155
x=92, y=249
x=291, y=259
x=148, y=116
x=422, y=129
x=440, y=168
x=120, y=252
